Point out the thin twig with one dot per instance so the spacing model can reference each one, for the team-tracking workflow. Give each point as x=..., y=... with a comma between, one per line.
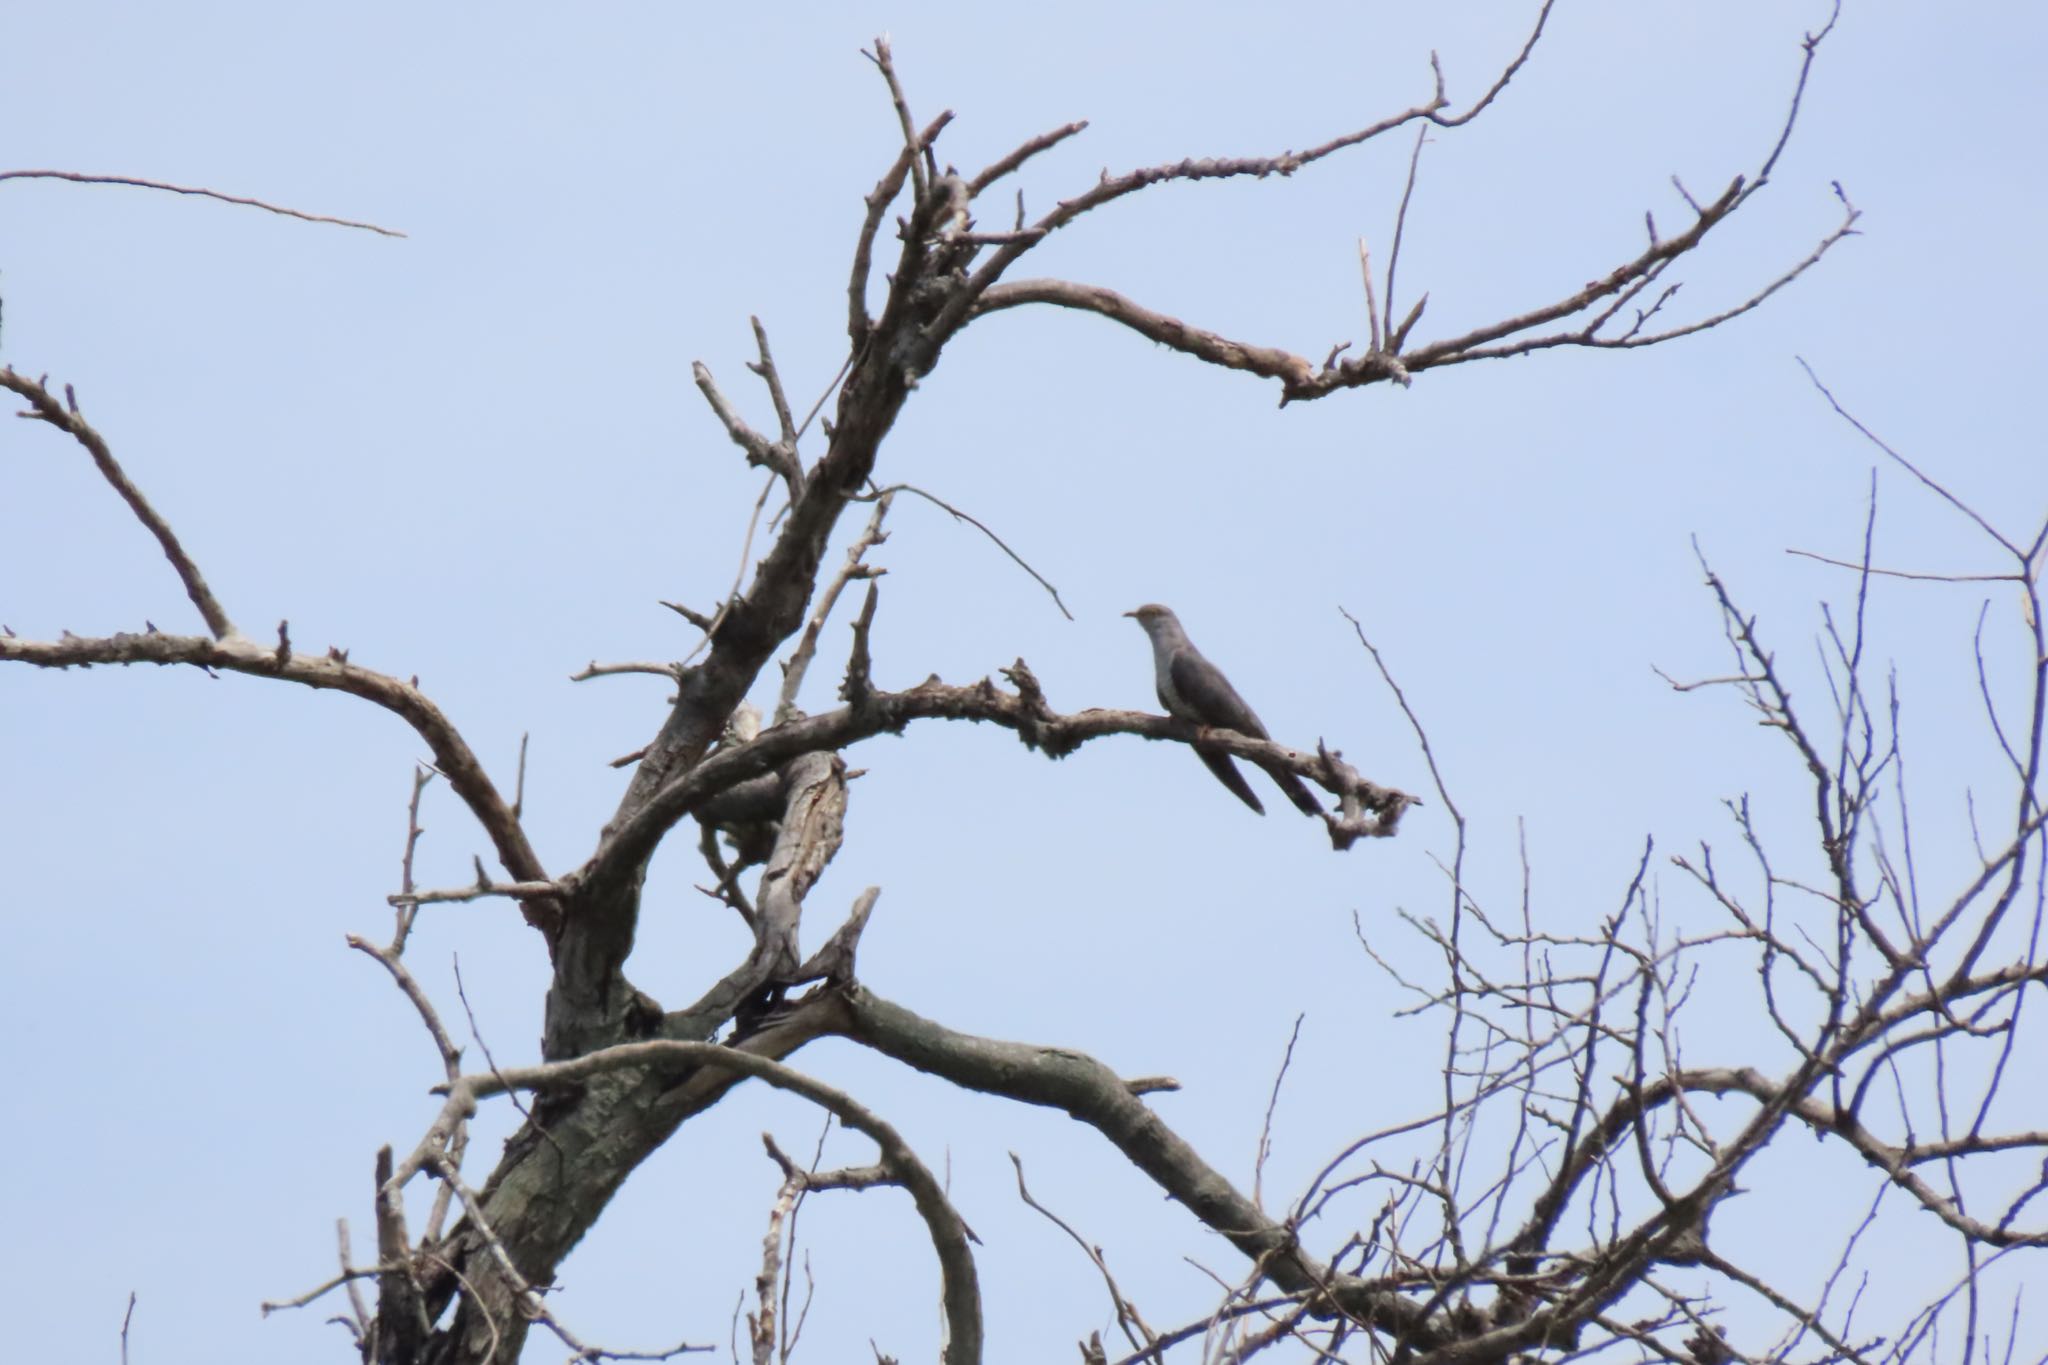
x=358, y=1307
x=348, y=1276
x=772, y=377
x=1272, y=1103
x=451, y=1055
x=1951, y=499
x=519, y=782
x=1009, y=162
x=739, y=576
x=408, y=909
x=1914, y=577
x=959, y=515
x=594, y=669
x=818, y=406
x=1372, y=306
x=518, y=891
x=1500, y=84
x=1400, y=229
x=139, y=183
x=1128, y=1318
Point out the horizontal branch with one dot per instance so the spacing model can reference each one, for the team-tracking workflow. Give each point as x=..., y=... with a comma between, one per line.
x=594, y=669
x=1827, y=1121
x=518, y=891
x=1025, y=711
x=1293, y=371
x=1301, y=380
x=1625, y=1115
x=137, y=182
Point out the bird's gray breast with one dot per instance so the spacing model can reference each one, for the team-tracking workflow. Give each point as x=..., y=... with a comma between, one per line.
x=1169, y=695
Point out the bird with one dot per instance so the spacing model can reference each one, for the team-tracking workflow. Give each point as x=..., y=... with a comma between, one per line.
x=1195, y=690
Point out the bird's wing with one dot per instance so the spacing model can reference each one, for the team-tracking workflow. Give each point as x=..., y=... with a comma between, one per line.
x=1205, y=691
x=1227, y=773
x=1208, y=694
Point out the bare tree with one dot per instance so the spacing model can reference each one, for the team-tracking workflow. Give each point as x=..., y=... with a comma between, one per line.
x=1603, y=1171
x=1580, y=1153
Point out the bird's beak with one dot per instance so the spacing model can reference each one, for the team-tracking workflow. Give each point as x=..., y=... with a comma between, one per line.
x=1130, y=613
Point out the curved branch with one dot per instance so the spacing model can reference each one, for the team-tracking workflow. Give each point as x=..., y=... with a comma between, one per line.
x=979, y=525
x=1506, y=75
x=961, y=1294
x=332, y=672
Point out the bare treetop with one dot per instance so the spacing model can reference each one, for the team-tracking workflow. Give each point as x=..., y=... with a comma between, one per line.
x=1569, y=1166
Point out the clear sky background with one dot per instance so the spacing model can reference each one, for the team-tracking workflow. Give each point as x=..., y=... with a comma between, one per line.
x=476, y=455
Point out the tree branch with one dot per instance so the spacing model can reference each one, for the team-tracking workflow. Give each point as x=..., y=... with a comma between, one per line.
x=1058, y=1078
x=629, y=842
x=67, y=418
x=961, y=1293
x=139, y=183
x=237, y=654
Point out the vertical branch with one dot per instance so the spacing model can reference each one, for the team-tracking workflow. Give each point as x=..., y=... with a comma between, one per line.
x=407, y=908
x=765, y=367
x=1395, y=338
x=762, y=1324
x=519, y=783
x=921, y=166
x=1372, y=307
x=359, y=1309
x=858, y=323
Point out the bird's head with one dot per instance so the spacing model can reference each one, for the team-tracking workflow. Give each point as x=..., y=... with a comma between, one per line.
x=1158, y=622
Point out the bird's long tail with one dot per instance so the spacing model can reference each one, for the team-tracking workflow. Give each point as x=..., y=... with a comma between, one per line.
x=1227, y=773
x=1298, y=792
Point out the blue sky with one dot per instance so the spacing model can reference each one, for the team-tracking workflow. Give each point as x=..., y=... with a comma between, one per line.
x=476, y=455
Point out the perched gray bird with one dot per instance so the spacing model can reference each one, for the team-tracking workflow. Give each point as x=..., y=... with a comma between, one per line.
x=1193, y=689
